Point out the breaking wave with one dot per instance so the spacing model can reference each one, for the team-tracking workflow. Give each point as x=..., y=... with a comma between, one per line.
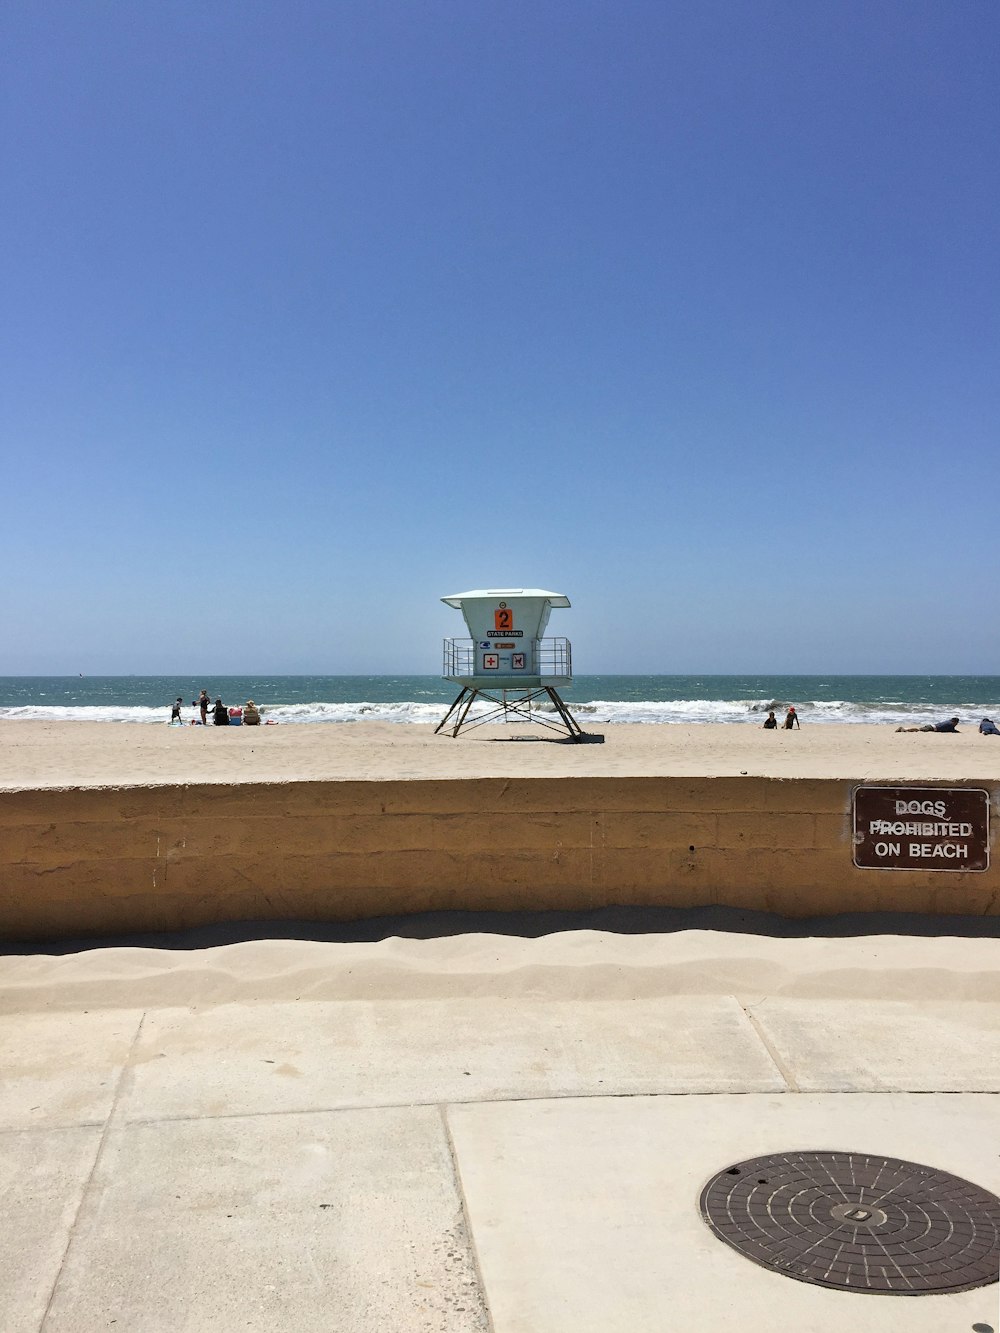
x=748, y=712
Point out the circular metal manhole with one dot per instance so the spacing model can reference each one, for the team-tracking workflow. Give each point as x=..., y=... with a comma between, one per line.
x=855, y=1222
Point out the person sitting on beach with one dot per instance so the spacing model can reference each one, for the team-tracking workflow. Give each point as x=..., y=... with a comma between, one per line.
x=770, y=722
x=792, y=719
x=251, y=714
x=988, y=727
x=950, y=725
x=175, y=712
x=220, y=714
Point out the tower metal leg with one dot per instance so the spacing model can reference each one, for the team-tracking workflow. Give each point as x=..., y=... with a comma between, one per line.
x=569, y=721
x=462, y=710
x=506, y=708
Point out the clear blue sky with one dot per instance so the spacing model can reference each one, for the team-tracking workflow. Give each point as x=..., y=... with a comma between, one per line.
x=314, y=312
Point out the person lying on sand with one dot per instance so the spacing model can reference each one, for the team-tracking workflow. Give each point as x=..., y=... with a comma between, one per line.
x=950, y=725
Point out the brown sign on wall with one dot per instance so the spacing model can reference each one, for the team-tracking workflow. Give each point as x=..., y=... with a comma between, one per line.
x=921, y=828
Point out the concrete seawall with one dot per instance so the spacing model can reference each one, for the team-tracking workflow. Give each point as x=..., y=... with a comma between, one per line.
x=134, y=858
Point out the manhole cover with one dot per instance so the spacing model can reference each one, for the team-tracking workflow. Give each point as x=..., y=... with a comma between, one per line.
x=857, y=1223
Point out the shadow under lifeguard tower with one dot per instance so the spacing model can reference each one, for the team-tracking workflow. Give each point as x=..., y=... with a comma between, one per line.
x=507, y=663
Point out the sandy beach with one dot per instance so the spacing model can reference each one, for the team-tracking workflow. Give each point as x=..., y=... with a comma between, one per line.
x=96, y=754
x=567, y=965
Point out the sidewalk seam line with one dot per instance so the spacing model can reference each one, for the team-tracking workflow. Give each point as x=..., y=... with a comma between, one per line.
x=85, y=1192
x=456, y=1171
x=508, y=1101
x=766, y=1042
x=180, y=1119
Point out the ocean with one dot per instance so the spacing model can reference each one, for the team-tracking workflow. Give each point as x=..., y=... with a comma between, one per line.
x=592, y=699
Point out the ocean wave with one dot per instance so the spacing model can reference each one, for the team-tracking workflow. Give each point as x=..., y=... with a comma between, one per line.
x=404, y=711
x=747, y=712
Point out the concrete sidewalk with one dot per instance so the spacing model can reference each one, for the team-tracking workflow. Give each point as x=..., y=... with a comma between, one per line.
x=526, y=1165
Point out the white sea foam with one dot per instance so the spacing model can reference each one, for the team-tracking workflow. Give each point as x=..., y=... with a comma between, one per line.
x=407, y=711
x=748, y=712
x=83, y=713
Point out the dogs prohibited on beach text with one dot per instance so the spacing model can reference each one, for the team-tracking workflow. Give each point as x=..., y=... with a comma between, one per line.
x=921, y=828
x=517, y=661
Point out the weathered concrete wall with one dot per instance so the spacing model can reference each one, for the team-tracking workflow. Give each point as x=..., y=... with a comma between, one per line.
x=159, y=858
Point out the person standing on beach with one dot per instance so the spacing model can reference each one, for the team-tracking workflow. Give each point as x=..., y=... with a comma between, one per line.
x=202, y=703
x=792, y=719
x=770, y=722
x=175, y=711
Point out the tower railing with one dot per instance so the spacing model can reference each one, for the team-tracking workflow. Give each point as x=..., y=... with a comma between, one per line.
x=551, y=657
x=459, y=658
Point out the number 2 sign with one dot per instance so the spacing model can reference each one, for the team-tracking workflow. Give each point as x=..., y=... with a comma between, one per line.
x=503, y=619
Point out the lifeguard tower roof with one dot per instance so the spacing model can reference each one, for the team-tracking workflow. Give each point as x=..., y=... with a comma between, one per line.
x=457, y=598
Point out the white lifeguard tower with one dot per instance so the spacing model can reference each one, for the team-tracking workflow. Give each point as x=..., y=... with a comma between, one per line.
x=506, y=661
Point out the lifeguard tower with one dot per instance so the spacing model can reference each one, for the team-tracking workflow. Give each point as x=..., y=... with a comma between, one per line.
x=506, y=662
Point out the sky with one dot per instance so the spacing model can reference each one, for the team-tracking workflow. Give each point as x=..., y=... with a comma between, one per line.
x=315, y=312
